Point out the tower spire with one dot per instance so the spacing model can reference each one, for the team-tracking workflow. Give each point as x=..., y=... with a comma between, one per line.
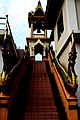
x=39, y=3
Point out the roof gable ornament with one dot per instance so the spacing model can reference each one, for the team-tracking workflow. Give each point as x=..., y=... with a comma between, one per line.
x=39, y=7
x=39, y=3
x=39, y=42
x=37, y=18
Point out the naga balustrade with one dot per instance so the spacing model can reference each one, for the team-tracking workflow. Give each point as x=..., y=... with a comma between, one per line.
x=70, y=79
x=12, y=73
x=4, y=23
x=67, y=82
x=10, y=86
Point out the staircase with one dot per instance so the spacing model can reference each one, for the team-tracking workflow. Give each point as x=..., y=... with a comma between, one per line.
x=40, y=104
x=36, y=98
x=58, y=102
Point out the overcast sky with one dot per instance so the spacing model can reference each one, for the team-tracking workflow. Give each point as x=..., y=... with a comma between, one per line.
x=18, y=17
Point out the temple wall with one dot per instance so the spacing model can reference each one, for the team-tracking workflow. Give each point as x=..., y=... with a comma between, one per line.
x=64, y=58
x=32, y=48
x=78, y=12
x=59, y=43
x=77, y=68
x=69, y=23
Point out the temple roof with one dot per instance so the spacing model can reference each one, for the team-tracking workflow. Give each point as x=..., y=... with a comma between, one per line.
x=39, y=10
x=37, y=17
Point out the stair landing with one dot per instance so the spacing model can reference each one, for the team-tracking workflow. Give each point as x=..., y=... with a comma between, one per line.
x=40, y=103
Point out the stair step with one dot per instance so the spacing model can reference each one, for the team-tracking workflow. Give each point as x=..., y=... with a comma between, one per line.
x=41, y=109
x=40, y=103
x=41, y=116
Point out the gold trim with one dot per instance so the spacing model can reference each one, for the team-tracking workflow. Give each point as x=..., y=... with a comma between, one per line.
x=39, y=6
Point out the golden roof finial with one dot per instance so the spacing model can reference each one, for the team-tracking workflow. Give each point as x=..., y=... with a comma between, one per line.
x=39, y=3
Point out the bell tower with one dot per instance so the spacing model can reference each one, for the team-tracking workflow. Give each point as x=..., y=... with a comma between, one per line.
x=38, y=41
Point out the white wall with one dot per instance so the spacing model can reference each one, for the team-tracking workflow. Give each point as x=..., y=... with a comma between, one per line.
x=77, y=68
x=78, y=12
x=64, y=57
x=59, y=43
x=71, y=15
x=71, y=19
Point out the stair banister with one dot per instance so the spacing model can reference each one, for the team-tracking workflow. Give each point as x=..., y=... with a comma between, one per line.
x=67, y=95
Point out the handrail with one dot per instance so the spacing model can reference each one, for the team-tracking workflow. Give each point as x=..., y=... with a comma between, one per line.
x=11, y=34
x=10, y=91
x=69, y=100
x=9, y=75
x=65, y=86
x=70, y=78
x=70, y=87
x=14, y=67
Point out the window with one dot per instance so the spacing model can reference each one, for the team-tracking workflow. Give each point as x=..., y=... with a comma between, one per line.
x=60, y=25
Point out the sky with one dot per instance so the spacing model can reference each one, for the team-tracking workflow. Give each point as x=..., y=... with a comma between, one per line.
x=17, y=11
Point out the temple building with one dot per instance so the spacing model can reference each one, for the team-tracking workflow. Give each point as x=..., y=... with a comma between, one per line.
x=48, y=89
x=38, y=41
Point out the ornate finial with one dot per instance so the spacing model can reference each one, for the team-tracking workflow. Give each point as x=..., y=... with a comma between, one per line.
x=71, y=59
x=73, y=49
x=7, y=16
x=39, y=3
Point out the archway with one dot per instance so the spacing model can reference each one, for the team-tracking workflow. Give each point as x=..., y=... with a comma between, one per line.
x=38, y=57
x=38, y=52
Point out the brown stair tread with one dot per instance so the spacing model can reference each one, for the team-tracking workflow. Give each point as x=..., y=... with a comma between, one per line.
x=40, y=103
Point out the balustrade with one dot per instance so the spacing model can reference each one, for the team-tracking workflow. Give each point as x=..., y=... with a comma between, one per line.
x=66, y=81
x=38, y=35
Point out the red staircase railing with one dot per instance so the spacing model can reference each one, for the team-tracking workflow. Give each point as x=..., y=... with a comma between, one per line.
x=63, y=82
x=10, y=87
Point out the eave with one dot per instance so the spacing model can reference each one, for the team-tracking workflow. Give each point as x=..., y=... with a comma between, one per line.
x=52, y=11
x=35, y=18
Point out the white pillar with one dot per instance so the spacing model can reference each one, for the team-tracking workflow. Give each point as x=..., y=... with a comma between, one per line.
x=44, y=51
x=31, y=29
x=45, y=33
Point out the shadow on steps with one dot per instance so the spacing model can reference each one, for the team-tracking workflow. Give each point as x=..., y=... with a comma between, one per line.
x=57, y=98
x=18, y=107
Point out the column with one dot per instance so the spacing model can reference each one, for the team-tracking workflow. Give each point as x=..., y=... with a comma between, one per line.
x=31, y=29
x=45, y=33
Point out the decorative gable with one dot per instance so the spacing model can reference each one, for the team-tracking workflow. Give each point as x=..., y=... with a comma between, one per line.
x=38, y=42
x=37, y=18
x=39, y=10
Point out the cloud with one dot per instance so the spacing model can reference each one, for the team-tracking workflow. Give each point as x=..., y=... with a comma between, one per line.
x=18, y=17
x=16, y=8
